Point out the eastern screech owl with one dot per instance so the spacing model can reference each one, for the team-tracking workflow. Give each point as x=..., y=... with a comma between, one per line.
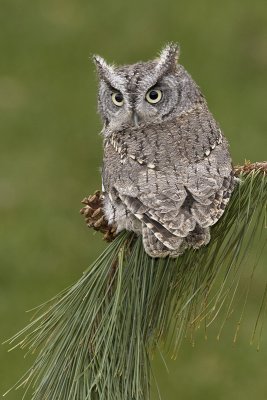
x=167, y=172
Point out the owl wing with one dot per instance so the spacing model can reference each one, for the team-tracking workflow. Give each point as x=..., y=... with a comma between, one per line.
x=180, y=182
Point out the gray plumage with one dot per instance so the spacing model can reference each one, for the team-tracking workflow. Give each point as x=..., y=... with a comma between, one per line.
x=167, y=171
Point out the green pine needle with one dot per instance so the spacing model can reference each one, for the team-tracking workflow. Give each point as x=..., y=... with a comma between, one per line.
x=94, y=340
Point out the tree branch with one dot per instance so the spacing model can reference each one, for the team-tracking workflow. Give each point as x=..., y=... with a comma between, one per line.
x=249, y=167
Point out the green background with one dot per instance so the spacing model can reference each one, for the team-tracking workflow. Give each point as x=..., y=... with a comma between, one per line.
x=51, y=152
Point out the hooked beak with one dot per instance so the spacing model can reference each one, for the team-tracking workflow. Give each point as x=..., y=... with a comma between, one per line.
x=135, y=118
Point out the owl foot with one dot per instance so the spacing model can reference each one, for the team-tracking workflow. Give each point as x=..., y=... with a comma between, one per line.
x=95, y=218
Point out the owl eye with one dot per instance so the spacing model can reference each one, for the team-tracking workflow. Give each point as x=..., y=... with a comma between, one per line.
x=153, y=96
x=117, y=99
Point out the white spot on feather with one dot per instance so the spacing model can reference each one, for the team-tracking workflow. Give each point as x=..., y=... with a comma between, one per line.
x=151, y=165
x=139, y=216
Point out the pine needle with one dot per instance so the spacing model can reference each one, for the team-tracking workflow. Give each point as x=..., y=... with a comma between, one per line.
x=95, y=339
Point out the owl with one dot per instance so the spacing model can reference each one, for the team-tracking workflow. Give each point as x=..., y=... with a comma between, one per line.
x=167, y=172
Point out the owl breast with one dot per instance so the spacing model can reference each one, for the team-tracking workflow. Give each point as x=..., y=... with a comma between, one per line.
x=168, y=181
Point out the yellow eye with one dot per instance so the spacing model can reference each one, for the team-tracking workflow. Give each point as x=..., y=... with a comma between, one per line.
x=117, y=99
x=153, y=96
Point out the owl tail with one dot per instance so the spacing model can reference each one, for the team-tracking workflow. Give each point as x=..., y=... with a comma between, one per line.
x=171, y=246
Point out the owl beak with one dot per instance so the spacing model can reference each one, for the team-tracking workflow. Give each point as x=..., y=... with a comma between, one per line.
x=135, y=118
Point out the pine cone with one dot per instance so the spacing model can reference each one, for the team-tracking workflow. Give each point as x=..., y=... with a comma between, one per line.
x=95, y=218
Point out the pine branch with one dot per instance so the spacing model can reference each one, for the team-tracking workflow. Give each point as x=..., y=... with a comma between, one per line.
x=250, y=167
x=94, y=340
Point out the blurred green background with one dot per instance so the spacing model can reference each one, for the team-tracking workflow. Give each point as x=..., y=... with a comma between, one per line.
x=51, y=153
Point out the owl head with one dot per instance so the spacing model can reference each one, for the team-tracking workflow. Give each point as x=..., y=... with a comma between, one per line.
x=145, y=92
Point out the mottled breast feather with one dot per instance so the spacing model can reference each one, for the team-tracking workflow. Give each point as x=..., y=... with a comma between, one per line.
x=171, y=173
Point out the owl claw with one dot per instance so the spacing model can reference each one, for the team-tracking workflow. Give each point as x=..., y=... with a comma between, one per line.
x=95, y=218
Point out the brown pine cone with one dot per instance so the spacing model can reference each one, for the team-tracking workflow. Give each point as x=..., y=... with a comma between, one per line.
x=95, y=218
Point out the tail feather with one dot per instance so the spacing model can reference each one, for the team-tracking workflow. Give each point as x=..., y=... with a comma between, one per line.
x=155, y=248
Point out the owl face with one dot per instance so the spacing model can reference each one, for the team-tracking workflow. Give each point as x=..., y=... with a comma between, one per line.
x=143, y=93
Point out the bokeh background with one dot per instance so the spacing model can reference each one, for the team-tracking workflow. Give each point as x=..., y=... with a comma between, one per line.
x=51, y=152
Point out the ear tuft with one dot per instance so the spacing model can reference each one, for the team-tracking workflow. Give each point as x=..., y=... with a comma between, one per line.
x=108, y=73
x=169, y=57
x=102, y=66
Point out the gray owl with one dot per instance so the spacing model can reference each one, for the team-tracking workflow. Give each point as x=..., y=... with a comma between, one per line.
x=167, y=172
